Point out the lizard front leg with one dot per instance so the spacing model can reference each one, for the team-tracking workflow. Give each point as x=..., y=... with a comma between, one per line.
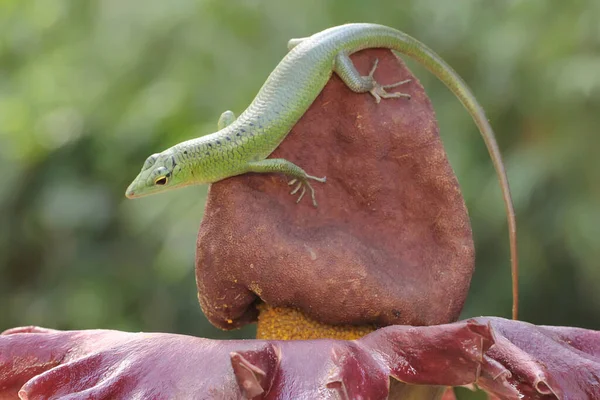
x=361, y=84
x=298, y=175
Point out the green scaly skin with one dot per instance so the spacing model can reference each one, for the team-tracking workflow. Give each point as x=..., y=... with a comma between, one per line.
x=242, y=145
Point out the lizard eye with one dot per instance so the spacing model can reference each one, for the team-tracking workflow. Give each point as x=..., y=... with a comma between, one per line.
x=161, y=180
x=161, y=176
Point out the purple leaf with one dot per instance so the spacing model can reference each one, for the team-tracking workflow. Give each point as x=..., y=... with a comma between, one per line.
x=509, y=359
x=541, y=361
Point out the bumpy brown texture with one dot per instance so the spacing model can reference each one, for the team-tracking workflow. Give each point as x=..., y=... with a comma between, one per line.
x=390, y=242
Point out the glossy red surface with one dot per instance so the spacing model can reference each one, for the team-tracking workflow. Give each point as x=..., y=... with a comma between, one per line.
x=507, y=358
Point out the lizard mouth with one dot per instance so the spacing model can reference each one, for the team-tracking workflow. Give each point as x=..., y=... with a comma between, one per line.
x=130, y=192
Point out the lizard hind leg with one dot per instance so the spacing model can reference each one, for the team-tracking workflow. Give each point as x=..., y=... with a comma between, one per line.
x=361, y=84
x=294, y=42
x=225, y=119
x=298, y=175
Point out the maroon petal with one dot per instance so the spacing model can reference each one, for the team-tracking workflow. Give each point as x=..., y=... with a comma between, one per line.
x=355, y=374
x=110, y=364
x=255, y=370
x=448, y=355
x=509, y=359
x=26, y=355
x=85, y=378
x=541, y=361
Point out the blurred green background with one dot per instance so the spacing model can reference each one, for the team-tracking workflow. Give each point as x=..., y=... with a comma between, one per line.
x=89, y=89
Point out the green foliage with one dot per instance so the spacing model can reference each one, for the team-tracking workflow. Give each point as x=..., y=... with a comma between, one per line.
x=89, y=89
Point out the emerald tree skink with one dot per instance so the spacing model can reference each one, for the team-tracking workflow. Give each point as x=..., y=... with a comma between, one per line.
x=242, y=145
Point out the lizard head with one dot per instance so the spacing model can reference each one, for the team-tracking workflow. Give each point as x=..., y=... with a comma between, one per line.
x=159, y=173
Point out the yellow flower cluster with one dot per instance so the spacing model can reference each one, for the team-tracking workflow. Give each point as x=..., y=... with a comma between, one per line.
x=281, y=323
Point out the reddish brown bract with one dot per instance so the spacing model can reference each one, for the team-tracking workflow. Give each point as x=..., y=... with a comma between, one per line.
x=390, y=242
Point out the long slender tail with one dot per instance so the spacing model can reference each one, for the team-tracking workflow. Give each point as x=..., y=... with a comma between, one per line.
x=411, y=47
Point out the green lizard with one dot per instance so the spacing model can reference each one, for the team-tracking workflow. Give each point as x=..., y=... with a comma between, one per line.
x=242, y=145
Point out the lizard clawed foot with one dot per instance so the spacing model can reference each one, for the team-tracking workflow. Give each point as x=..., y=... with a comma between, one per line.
x=379, y=91
x=303, y=183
